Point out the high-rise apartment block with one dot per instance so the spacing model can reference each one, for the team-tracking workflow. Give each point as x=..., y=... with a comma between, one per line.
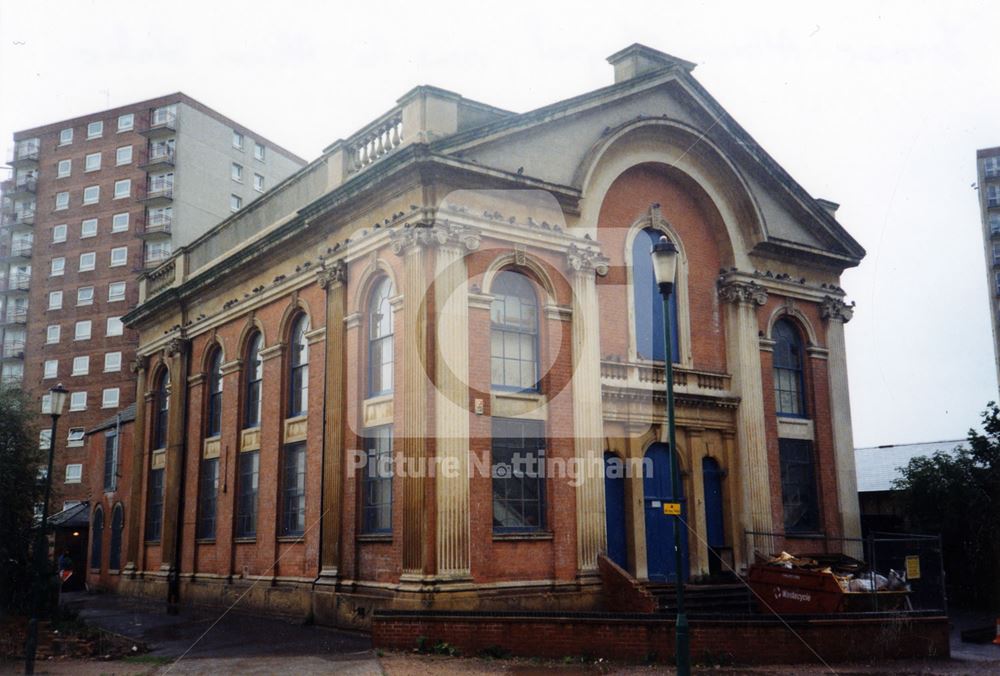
x=91, y=203
x=988, y=169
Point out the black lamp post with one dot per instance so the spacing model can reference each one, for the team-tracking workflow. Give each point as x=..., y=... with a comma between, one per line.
x=665, y=268
x=57, y=400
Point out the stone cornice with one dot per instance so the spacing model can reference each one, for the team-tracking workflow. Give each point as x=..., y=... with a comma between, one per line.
x=741, y=292
x=836, y=309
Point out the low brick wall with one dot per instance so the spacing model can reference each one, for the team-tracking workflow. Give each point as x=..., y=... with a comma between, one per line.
x=640, y=638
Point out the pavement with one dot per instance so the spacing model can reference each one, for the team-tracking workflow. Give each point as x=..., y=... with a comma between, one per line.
x=206, y=641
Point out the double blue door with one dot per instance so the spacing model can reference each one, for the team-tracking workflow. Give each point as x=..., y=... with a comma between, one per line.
x=657, y=489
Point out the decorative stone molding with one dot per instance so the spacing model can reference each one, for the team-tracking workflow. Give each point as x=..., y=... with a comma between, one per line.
x=271, y=352
x=741, y=292
x=586, y=261
x=177, y=347
x=434, y=235
x=835, y=308
x=233, y=366
x=332, y=273
x=138, y=364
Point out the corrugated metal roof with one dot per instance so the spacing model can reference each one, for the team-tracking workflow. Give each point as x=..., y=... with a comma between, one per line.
x=878, y=466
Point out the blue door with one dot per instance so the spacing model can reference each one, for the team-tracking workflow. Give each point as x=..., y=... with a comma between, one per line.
x=614, y=504
x=712, y=478
x=656, y=486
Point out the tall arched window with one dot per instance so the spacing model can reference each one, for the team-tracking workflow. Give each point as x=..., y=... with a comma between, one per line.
x=514, y=332
x=254, y=375
x=117, y=524
x=213, y=420
x=298, y=368
x=788, y=391
x=380, y=339
x=97, y=539
x=161, y=411
x=648, y=303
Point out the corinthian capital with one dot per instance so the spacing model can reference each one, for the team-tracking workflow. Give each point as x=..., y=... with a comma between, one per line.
x=138, y=364
x=332, y=272
x=835, y=308
x=586, y=261
x=738, y=291
x=176, y=347
x=433, y=235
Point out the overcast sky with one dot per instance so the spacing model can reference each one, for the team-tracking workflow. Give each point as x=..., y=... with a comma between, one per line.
x=877, y=106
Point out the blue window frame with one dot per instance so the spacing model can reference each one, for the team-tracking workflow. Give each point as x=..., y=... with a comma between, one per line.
x=380, y=332
x=514, y=332
x=798, y=486
x=293, y=490
x=298, y=369
x=246, y=501
x=254, y=376
x=518, y=471
x=208, y=489
x=117, y=524
x=789, y=398
x=154, y=506
x=162, y=410
x=376, y=489
x=213, y=419
x=648, y=303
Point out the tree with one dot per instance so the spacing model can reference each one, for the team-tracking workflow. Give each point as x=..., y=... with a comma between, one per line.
x=20, y=491
x=958, y=495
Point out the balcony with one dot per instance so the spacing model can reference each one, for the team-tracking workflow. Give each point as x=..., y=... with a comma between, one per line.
x=24, y=155
x=12, y=349
x=17, y=316
x=16, y=283
x=159, y=124
x=19, y=219
x=26, y=187
x=19, y=251
x=157, y=158
x=157, y=224
x=14, y=378
x=158, y=192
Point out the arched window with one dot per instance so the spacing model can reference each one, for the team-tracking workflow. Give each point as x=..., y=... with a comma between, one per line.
x=789, y=398
x=254, y=375
x=298, y=368
x=648, y=303
x=97, y=539
x=117, y=524
x=161, y=410
x=380, y=339
x=514, y=332
x=213, y=420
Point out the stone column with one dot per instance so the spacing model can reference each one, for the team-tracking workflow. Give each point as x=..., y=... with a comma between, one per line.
x=451, y=400
x=333, y=278
x=177, y=358
x=412, y=393
x=139, y=441
x=588, y=412
x=836, y=313
x=742, y=299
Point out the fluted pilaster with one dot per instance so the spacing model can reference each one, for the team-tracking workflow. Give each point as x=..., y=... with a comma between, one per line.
x=742, y=298
x=139, y=442
x=176, y=355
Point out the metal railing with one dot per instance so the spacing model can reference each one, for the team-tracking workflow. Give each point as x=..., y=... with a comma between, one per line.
x=159, y=188
x=19, y=218
x=16, y=316
x=160, y=119
x=13, y=349
x=157, y=154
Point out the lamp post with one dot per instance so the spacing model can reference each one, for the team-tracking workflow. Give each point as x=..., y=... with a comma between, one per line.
x=664, y=255
x=57, y=400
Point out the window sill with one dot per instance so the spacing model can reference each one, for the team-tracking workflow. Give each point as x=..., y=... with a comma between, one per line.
x=540, y=535
x=205, y=541
x=246, y=539
x=301, y=537
x=375, y=537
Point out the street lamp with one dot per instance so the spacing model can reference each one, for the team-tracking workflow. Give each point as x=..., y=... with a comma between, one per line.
x=57, y=400
x=664, y=255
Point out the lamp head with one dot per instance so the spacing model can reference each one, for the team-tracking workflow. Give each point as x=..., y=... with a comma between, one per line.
x=664, y=255
x=57, y=396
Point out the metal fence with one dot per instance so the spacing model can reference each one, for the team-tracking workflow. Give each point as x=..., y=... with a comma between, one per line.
x=914, y=557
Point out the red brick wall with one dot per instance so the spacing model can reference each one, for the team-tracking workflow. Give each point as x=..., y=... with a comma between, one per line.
x=636, y=639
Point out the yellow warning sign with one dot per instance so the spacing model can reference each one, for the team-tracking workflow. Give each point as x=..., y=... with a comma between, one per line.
x=672, y=508
x=912, y=567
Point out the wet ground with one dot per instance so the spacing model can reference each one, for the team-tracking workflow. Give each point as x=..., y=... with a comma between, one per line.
x=203, y=641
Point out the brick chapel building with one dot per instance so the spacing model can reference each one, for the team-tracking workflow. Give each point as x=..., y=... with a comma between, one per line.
x=344, y=389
